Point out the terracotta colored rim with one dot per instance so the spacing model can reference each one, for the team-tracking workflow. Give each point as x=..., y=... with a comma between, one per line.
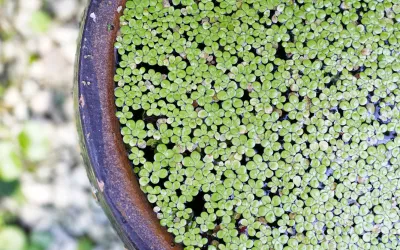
x=114, y=184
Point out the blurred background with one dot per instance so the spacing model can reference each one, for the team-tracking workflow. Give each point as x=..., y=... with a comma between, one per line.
x=45, y=196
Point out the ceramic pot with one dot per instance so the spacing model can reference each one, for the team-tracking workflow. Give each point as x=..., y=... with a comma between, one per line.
x=114, y=183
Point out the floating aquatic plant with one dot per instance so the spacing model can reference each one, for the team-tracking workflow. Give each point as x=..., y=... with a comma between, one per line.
x=265, y=124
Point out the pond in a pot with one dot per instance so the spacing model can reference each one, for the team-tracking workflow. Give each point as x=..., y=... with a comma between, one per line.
x=264, y=124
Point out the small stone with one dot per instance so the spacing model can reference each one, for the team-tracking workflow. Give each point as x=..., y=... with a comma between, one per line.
x=37, y=193
x=29, y=89
x=64, y=10
x=41, y=103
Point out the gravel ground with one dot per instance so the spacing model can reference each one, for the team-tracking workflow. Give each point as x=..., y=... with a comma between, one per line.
x=51, y=195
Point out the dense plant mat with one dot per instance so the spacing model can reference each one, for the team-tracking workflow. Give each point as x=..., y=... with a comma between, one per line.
x=265, y=124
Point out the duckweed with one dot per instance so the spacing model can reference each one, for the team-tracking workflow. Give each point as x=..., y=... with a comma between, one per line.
x=264, y=124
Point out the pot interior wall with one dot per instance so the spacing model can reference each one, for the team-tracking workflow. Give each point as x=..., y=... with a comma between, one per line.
x=114, y=183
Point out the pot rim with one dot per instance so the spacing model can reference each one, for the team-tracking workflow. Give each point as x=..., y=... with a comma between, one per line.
x=114, y=184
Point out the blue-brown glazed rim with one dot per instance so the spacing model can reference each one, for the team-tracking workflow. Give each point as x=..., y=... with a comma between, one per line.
x=114, y=183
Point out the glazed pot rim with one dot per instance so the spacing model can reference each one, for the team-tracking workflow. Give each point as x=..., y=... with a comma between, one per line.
x=114, y=184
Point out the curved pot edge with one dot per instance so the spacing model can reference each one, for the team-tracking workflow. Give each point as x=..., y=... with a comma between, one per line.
x=99, y=197
x=142, y=230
